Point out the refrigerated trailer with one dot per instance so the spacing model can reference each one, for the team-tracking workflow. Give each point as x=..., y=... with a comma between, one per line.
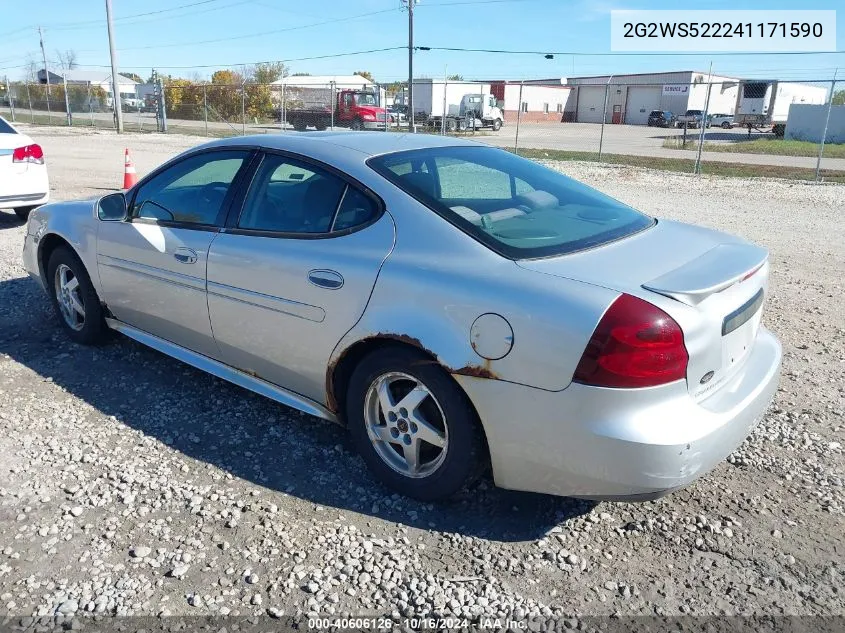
x=766, y=103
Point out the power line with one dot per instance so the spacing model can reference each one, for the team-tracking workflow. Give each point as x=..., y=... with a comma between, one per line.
x=623, y=53
x=79, y=23
x=251, y=35
x=271, y=61
x=134, y=19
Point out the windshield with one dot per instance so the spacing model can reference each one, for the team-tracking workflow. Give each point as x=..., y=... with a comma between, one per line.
x=366, y=98
x=515, y=206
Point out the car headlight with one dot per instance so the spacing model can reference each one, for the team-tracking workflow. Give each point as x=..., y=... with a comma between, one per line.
x=368, y=117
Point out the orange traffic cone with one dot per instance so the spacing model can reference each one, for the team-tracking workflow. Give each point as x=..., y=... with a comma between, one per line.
x=129, y=175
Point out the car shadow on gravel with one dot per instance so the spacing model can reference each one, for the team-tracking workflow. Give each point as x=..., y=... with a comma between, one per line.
x=254, y=439
x=8, y=219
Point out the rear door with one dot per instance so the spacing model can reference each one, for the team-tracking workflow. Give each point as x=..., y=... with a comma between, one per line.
x=152, y=267
x=293, y=271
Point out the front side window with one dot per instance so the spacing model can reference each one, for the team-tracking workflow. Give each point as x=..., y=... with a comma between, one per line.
x=191, y=191
x=515, y=206
x=291, y=196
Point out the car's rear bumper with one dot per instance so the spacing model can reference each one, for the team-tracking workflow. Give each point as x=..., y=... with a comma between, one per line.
x=618, y=443
x=18, y=200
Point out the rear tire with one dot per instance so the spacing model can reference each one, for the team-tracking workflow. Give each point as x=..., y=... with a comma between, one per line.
x=23, y=212
x=428, y=449
x=299, y=125
x=69, y=285
x=726, y=125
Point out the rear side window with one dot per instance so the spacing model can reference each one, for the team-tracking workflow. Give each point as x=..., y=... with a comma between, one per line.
x=291, y=196
x=515, y=206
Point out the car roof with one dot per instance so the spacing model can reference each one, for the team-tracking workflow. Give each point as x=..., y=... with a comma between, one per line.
x=371, y=143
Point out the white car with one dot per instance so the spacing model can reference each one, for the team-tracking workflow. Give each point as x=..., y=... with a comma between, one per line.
x=725, y=121
x=23, y=173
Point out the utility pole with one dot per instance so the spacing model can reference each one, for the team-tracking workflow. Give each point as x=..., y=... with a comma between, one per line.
x=411, y=4
x=118, y=111
x=44, y=57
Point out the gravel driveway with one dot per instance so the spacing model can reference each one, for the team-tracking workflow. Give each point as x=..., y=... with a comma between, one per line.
x=133, y=484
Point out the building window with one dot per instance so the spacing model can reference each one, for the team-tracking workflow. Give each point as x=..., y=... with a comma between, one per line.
x=525, y=106
x=560, y=107
x=545, y=108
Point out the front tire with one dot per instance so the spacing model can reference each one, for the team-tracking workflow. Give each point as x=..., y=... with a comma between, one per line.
x=497, y=125
x=726, y=125
x=357, y=125
x=74, y=299
x=413, y=426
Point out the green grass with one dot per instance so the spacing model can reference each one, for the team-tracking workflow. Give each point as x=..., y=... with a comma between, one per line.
x=772, y=146
x=686, y=165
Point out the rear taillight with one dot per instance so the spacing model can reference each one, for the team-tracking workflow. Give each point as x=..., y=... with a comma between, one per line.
x=636, y=344
x=28, y=154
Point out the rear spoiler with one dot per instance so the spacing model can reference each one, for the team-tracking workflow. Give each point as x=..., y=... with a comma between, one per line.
x=712, y=272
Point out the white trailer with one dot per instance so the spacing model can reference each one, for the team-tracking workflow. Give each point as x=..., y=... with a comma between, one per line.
x=766, y=103
x=456, y=105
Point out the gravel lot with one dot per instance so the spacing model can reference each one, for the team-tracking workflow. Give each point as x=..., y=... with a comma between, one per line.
x=133, y=484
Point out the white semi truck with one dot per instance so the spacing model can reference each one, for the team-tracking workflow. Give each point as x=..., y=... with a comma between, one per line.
x=762, y=103
x=456, y=105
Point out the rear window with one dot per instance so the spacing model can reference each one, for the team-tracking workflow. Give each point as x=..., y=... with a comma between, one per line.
x=5, y=128
x=515, y=206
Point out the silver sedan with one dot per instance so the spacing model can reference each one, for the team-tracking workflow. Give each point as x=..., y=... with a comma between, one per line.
x=455, y=306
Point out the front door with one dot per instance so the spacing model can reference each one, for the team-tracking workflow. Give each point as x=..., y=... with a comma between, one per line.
x=294, y=273
x=152, y=266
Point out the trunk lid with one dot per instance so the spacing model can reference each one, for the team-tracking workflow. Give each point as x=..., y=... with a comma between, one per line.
x=711, y=283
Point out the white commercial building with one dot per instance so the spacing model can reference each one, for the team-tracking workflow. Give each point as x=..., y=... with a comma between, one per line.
x=630, y=98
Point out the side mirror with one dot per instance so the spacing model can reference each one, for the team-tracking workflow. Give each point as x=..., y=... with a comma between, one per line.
x=112, y=208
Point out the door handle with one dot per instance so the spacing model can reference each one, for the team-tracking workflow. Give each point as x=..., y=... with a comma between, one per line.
x=326, y=279
x=185, y=255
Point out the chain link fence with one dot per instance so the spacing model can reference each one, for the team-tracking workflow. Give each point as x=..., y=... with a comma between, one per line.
x=708, y=124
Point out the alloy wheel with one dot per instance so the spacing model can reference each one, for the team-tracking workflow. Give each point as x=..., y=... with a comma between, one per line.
x=69, y=297
x=406, y=424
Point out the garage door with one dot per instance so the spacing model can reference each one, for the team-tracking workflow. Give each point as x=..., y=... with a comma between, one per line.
x=590, y=104
x=641, y=101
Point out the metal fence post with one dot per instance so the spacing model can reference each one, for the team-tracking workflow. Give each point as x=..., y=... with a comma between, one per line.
x=445, y=106
x=604, y=115
x=703, y=124
x=162, y=106
x=11, y=100
x=205, y=107
x=29, y=98
x=331, y=87
x=283, y=121
x=90, y=104
x=68, y=115
x=826, y=123
x=243, y=109
x=518, y=117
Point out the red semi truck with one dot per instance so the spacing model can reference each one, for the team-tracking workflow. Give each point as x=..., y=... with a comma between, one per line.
x=314, y=106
